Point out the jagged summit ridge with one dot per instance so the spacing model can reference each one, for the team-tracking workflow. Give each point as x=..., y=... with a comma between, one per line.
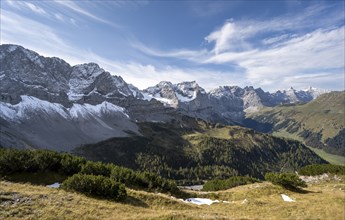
x=24, y=72
x=173, y=94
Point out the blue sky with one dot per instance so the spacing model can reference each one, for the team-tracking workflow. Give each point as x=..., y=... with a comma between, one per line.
x=267, y=44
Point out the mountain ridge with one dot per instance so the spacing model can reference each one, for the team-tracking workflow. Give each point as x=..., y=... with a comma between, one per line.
x=25, y=73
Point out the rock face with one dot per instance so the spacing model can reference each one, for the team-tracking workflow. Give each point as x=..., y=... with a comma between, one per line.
x=47, y=103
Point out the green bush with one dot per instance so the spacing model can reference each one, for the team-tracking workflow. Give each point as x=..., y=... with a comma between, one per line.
x=71, y=164
x=143, y=180
x=92, y=185
x=287, y=180
x=13, y=161
x=318, y=169
x=97, y=168
x=44, y=160
x=215, y=185
x=127, y=176
x=154, y=182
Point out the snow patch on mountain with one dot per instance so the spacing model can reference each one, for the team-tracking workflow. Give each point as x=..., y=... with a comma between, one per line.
x=30, y=106
x=315, y=92
x=158, y=97
x=12, y=48
x=182, y=98
x=34, y=57
x=78, y=110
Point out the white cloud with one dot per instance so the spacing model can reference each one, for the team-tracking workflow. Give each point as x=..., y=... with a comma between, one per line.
x=273, y=40
x=179, y=53
x=222, y=37
x=147, y=75
x=26, y=5
x=76, y=8
x=14, y=29
x=35, y=8
x=59, y=17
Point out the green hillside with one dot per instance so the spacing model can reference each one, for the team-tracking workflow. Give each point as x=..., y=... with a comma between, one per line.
x=320, y=123
x=197, y=151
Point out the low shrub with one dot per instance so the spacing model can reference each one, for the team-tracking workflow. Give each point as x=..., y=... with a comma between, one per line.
x=13, y=161
x=97, y=168
x=318, y=169
x=143, y=180
x=44, y=160
x=153, y=182
x=286, y=180
x=71, y=164
x=91, y=185
x=215, y=185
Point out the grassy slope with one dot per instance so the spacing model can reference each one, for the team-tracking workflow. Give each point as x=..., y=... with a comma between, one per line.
x=321, y=201
x=324, y=115
x=331, y=158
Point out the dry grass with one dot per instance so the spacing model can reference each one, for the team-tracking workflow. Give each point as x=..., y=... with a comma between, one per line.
x=320, y=201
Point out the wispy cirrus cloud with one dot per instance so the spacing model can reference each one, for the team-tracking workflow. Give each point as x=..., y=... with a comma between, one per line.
x=27, y=5
x=35, y=8
x=14, y=29
x=177, y=53
x=76, y=8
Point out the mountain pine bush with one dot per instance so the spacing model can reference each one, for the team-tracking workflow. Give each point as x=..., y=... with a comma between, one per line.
x=215, y=185
x=92, y=185
x=318, y=169
x=96, y=168
x=286, y=180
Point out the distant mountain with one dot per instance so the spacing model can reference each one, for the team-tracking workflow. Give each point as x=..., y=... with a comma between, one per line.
x=41, y=97
x=319, y=123
x=225, y=104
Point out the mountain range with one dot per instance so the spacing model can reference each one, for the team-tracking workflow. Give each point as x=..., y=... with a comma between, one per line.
x=85, y=104
x=180, y=131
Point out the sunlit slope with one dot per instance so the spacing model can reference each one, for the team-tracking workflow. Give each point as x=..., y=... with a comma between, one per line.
x=320, y=123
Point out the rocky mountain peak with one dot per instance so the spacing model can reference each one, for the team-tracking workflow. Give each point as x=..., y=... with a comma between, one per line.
x=226, y=92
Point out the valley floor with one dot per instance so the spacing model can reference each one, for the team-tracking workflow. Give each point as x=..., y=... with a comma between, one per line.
x=323, y=200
